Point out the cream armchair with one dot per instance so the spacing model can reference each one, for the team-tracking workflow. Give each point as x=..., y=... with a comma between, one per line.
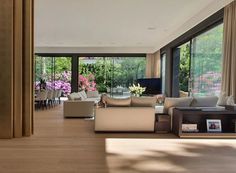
x=81, y=104
x=77, y=108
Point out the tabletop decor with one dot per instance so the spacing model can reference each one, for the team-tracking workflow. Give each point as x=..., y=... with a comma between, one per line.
x=136, y=90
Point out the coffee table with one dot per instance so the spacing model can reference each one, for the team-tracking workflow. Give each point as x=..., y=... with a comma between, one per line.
x=199, y=117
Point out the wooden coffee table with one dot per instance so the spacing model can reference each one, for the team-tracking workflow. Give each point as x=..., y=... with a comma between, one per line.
x=199, y=117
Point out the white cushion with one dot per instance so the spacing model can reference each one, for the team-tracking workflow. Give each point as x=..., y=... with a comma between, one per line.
x=83, y=94
x=95, y=100
x=230, y=100
x=222, y=99
x=208, y=101
x=74, y=96
x=176, y=102
x=92, y=94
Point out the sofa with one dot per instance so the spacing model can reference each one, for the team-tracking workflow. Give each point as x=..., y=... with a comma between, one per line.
x=81, y=104
x=207, y=102
x=135, y=114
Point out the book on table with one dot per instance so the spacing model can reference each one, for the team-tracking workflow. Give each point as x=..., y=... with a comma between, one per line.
x=189, y=128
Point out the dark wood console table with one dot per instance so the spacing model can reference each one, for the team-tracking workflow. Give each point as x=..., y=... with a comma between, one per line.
x=199, y=117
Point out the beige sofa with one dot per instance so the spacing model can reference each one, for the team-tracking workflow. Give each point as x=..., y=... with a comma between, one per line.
x=208, y=102
x=81, y=104
x=126, y=115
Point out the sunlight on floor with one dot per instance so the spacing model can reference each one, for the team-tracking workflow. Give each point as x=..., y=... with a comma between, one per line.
x=169, y=155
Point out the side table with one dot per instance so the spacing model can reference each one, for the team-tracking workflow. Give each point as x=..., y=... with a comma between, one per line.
x=162, y=124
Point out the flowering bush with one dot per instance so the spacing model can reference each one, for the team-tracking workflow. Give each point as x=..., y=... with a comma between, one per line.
x=207, y=84
x=59, y=84
x=87, y=83
x=62, y=81
x=137, y=90
x=36, y=85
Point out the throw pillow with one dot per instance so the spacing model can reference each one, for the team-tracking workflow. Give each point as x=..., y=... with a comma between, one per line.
x=92, y=94
x=230, y=100
x=176, y=102
x=74, y=96
x=208, y=101
x=112, y=102
x=83, y=93
x=222, y=99
x=143, y=101
x=70, y=97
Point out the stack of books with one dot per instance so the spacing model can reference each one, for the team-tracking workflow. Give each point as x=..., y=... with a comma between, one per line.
x=190, y=128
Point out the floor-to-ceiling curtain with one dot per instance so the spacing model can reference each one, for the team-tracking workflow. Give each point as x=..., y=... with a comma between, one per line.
x=153, y=67
x=229, y=56
x=16, y=57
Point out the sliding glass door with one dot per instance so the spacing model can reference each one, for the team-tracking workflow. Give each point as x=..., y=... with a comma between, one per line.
x=112, y=75
x=199, y=64
x=206, y=65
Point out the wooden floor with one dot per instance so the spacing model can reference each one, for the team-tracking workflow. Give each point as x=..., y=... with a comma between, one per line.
x=71, y=146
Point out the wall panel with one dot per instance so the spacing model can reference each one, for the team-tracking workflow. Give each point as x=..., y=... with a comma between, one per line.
x=6, y=67
x=16, y=57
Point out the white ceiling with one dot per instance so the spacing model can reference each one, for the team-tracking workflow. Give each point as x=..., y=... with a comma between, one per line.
x=115, y=26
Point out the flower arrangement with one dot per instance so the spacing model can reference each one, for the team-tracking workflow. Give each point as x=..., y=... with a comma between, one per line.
x=137, y=90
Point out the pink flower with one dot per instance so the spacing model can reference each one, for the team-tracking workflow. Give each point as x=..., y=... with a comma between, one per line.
x=87, y=83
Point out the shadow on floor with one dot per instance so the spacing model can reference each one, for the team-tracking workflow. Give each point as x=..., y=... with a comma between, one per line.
x=191, y=158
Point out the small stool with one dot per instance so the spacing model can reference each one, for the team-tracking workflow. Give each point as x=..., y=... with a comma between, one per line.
x=162, y=124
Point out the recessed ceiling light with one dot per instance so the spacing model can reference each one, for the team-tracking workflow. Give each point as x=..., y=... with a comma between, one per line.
x=151, y=28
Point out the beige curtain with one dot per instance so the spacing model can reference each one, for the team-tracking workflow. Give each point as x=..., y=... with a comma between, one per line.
x=16, y=63
x=153, y=67
x=229, y=56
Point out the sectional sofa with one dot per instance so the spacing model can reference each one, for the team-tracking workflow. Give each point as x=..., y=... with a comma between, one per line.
x=138, y=114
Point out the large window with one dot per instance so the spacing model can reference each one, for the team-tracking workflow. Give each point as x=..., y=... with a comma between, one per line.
x=184, y=67
x=53, y=73
x=207, y=62
x=200, y=62
x=110, y=74
x=163, y=72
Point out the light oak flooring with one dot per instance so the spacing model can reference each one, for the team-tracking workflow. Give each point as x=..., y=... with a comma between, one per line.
x=71, y=146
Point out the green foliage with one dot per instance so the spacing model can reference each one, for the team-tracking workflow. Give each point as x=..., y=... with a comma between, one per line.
x=62, y=64
x=108, y=72
x=113, y=72
x=206, y=62
x=45, y=67
x=184, y=67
